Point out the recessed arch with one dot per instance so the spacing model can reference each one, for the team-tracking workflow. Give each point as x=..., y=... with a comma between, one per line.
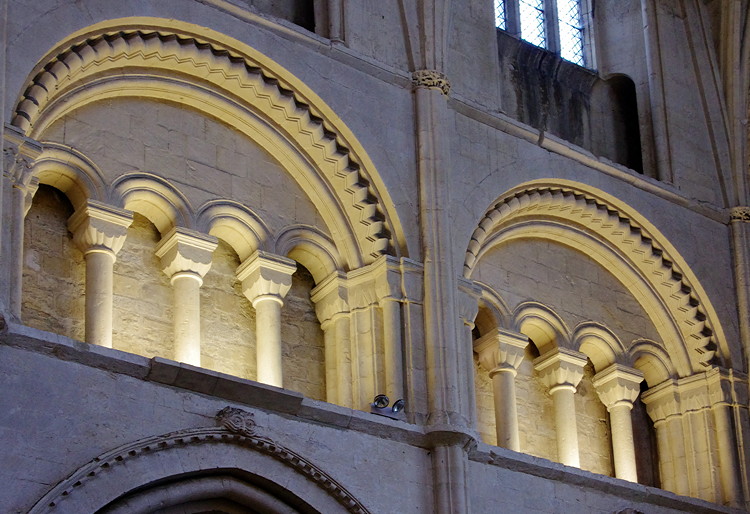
x=599, y=343
x=311, y=248
x=155, y=198
x=68, y=170
x=625, y=244
x=239, y=226
x=225, y=79
x=200, y=452
x=542, y=325
x=493, y=310
x=653, y=360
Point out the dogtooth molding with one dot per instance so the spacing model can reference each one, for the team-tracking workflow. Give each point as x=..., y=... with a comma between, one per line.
x=654, y=265
x=102, y=61
x=236, y=427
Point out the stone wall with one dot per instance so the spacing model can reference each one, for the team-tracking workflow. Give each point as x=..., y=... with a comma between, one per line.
x=53, y=269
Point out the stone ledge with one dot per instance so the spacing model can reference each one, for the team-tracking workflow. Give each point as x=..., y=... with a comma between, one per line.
x=556, y=472
x=165, y=372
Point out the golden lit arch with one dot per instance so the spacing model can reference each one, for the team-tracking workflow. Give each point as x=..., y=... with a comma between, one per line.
x=223, y=78
x=69, y=171
x=625, y=244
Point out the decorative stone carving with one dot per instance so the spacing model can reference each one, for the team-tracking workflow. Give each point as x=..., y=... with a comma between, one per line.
x=64, y=492
x=186, y=251
x=99, y=227
x=560, y=368
x=501, y=350
x=237, y=420
x=265, y=275
x=618, y=385
x=19, y=153
x=431, y=79
x=739, y=213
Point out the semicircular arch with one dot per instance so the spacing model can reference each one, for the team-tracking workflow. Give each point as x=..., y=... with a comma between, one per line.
x=625, y=244
x=140, y=465
x=223, y=78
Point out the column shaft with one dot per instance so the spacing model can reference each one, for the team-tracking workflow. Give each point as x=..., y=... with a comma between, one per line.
x=99, y=293
x=344, y=360
x=623, y=447
x=666, y=461
x=563, y=398
x=329, y=343
x=19, y=215
x=679, y=461
x=268, y=340
x=394, y=370
x=187, y=317
x=506, y=415
x=728, y=461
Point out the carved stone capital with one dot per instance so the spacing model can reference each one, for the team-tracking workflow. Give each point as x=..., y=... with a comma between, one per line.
x=186, y=251
x=431, y=79
x=740, y=213
x=97, y=227
x=560, y=368
x=501, y=351
x=19, y=153
x=331, y=297
x=618, y=385
x=266, y=276
x=662, y=401
x=386, y=273
x=467, y=301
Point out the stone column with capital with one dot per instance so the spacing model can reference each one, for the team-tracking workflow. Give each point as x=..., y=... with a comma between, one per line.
x=501, y=352
x=266, y=279
x=663, y=407
x=186, y=258
x=561, y=370
x=332, y=308
x=618, y=386
x=99, y=232
x=17, y=189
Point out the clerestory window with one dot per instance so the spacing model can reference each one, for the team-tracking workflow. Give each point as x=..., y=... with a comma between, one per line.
x=560, y=26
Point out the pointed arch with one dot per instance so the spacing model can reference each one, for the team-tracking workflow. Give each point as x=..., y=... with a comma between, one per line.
x=624, y=243
x=223, y=78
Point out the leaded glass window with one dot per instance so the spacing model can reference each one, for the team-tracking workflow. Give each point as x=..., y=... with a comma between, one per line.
x=557, y=25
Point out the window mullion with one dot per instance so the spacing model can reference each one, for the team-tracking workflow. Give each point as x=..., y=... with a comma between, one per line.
x=513, y=17
x=551, y=25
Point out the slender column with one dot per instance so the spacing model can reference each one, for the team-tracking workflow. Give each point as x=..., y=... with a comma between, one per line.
x=721, y=397
x=467, y=301
x=618, y=386
x=663, y=407
x=99, y=231
x=18, y=189
x=266, y=279
x=501, y=352
x=740, y=231
x=186, y=258
x=332, y=308
x=388, y=290
x=561, y=370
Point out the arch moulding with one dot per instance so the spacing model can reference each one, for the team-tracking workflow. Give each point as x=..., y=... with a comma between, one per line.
x=141, y=466
x=627, y=245
x=225, y=79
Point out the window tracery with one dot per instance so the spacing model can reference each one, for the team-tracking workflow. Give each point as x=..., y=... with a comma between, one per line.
x=557, y=25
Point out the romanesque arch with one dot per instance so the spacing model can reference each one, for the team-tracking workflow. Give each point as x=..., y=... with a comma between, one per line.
x=231, y=464
x=226, y=80
x=624, y=243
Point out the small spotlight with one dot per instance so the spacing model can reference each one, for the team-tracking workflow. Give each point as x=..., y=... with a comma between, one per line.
x=381, y=401
x=379, y=406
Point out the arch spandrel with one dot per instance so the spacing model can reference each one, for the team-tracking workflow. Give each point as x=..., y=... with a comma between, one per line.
x=625, y=244
x=229, y=81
